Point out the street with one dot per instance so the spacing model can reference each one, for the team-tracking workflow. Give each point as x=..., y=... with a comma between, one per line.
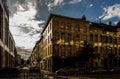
x=37, y=75
x=33, y=75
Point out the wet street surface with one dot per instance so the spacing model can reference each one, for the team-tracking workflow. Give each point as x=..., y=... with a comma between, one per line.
x=34, y=75
x=37, y=75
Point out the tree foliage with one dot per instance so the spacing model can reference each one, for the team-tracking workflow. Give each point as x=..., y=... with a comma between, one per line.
x=22, y=61
x=85, y=54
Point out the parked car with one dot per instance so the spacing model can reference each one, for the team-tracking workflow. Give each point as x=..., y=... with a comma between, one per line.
x=35, y=69
x=115, y=71
x=66, y=71
x=99, y=71
x=25, y=69
x=9, y=72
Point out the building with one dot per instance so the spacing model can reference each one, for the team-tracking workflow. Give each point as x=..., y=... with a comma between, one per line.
x=7, y=45
x=18, y=60
x=63, y=36
x=34, y=57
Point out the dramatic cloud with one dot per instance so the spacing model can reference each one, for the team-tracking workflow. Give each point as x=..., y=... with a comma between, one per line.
x=25, y=28
x=111, y=11
x=75, y=1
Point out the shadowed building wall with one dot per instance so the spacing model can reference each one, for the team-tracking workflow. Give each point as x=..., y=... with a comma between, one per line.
x=7, y=44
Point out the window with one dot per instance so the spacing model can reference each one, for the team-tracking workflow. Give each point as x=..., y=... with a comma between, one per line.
x=115, y=50
x=100, y=38
x=69, y=26
x=91, y=37
x=56, y=49
x=69, y=51
x=48, y=50
x=96, y=38
x=48, y=29
x=110, y=39
x=63, y=51
x=48, y=39
x=77, y=28
x=96, y=49
x=50, y=26
x=0, y=56
x=84, y=28
x=56, y=23
x=51, y=49
x=104, y=32
x=1, y=23
x=115, y=40
x=85, y=38
x=119, y=50
x=101, y=49
x=62, y=25
x=104, y=39
x=56, y=35
x=77, y=37
x=69, y=36
x=62, y=35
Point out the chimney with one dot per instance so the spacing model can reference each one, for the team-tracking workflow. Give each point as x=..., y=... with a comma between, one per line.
x=83, y=17
x=110, y=23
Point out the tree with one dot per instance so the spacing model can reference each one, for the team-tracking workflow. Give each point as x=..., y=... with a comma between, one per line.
x=111, y=60
x=70, y=61
x=22, y=61
x=27, y=62
x=86, y=54
x=57, y=63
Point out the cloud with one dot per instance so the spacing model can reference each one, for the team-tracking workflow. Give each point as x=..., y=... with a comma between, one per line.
x=24, y=28
x=90, y=5
x=111, y=12
x=24, y=25
x=54, y=4
x=74, y=1
x=24, y=53
x=14, y=5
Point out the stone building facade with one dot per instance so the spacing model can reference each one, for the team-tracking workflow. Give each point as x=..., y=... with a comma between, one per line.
x=63, y=36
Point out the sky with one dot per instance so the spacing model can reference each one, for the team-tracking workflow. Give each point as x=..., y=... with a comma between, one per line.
x=28, y=17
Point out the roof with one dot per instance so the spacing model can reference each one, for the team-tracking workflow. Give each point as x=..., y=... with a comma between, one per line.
x=56, y=15
x=98, y=25
x=104, y=26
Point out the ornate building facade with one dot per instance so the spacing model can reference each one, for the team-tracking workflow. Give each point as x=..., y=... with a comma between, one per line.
x=63, y=36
